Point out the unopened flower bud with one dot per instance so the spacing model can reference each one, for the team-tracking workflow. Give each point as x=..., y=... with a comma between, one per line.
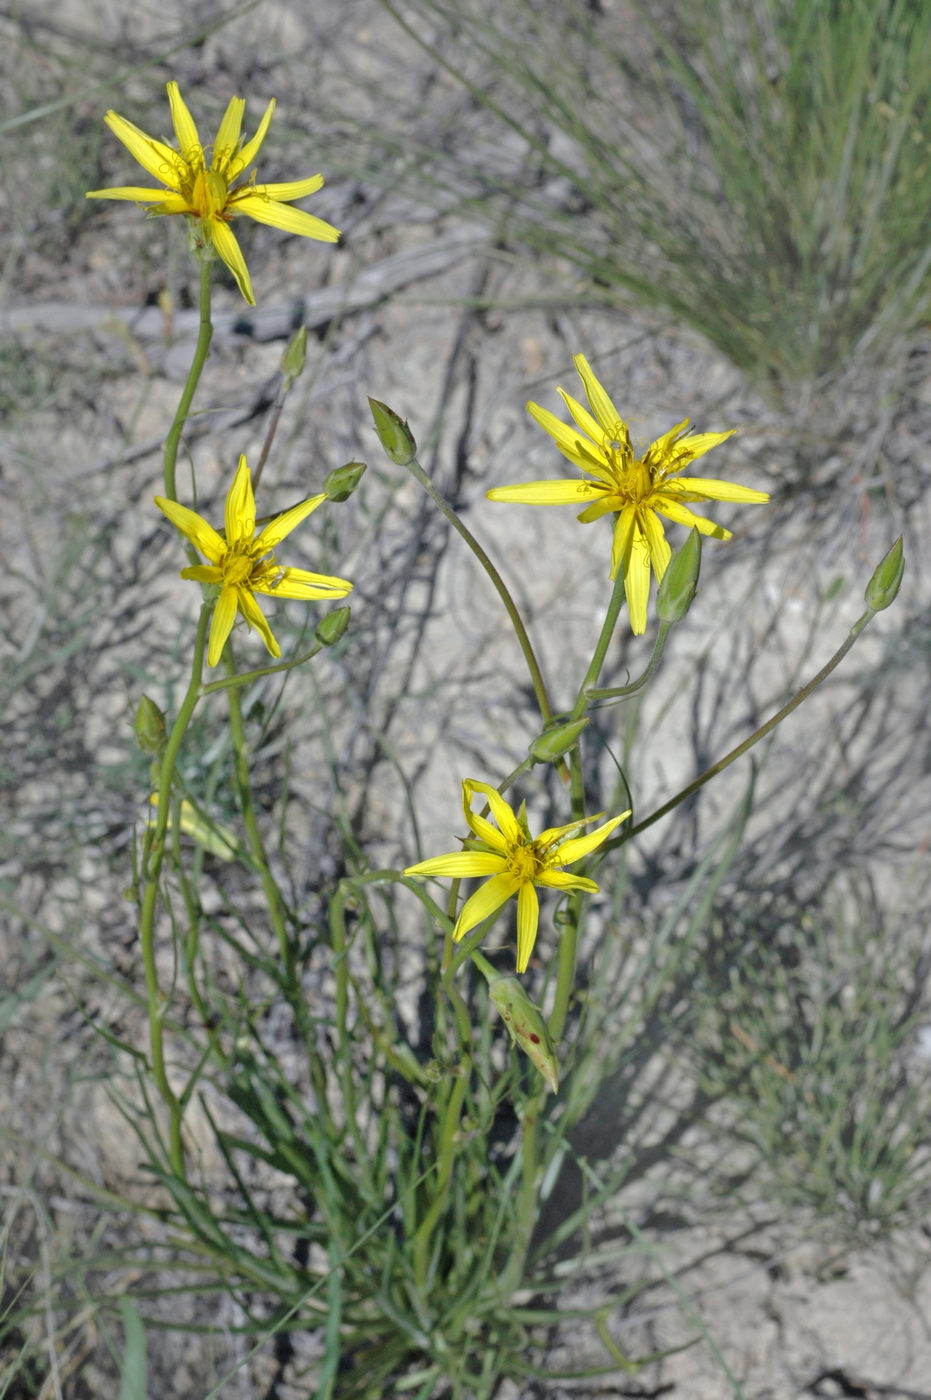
x=292, y=361
x=340, y=483
x=331, y=627
x=556, y=740
x=680, y=581
x=525, y=1022
x=216, y=839
x=149, y=726
x=393, y=433
x=887, y=576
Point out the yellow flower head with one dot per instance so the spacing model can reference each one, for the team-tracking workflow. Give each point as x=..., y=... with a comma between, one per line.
x=516, y=863
x=242, y=563
x=214, y=184
x=637, y=489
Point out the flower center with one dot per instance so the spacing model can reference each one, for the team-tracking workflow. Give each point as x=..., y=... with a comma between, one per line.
x=633, y=477
x=208, y=195
x=524, y=863
x=236, y=567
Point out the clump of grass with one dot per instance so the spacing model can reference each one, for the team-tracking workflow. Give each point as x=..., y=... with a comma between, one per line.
x=811, y=1032
x=761, y=171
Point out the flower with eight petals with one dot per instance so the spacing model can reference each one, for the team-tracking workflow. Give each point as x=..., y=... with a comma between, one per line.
x=212, y=185
x=637, y=489
x=516, y=863
x=242, y=563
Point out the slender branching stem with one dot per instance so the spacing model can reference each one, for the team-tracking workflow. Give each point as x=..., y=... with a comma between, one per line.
x=154, y=855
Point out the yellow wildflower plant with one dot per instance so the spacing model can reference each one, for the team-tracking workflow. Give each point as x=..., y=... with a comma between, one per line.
x=212, y=185
x=638, y=490
x=516, y=863
x=242, y=563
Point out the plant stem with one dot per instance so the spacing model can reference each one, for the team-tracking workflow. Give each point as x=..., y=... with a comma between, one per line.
x=565, y=974
x=569, y=936
x=202, y=349
x=536, y=676
x=623, y=691
x=153, y=857
x=754, y=738
x=253, y=834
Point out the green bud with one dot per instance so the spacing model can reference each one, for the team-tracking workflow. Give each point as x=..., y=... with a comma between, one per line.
x=393, y=433
x=527, y=1027
x=292, y=361
x=149, y=726
x=883, y=587
x=680, y=581
x=340, y=483
x=331, y=627
x=556, y=740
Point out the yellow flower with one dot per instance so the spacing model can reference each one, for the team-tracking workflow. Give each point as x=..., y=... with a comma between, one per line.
x=516, y=863
x=242, y=564
x=637, y=489
x=214, y=184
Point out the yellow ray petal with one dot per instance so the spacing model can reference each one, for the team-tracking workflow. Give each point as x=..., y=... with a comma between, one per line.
x=240, y=506
x=688, y=448
x=459, y=864
x=134, y=192
x=154, y=156
x=623, y=534
x=293, y=189
x=195, y=527
x=257, y=619
x=171, y=204
x=228, y=133
x=658, y=545
x=528, y=918
x=667, y=444
x=251, y=149
x=701, y=488
x=562, y=880
x=602, y=406
x=278, y=529
x=597, y=509
x=587, y=456
x=579, y=846
x=486, y=900
x=501, y=811
x=229, y=250
x=480, y=826
x=203, y=573
x=182, y=121
x=221, y=624
x=671, y=508
x=554, y=834
x=562, y=492
x=269, y=211
x=583, y=418
x=301, y=583
x=637, y=581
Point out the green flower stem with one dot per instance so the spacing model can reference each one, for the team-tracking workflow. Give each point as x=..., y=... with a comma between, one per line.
x=245, y=677
x=536, y=676
x=601, y=649
x=623, y=691
x=754, y=738
x=204, y=337
x=256, y=844
x=526, y=1211
x=569, y=937
x=154, y=854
